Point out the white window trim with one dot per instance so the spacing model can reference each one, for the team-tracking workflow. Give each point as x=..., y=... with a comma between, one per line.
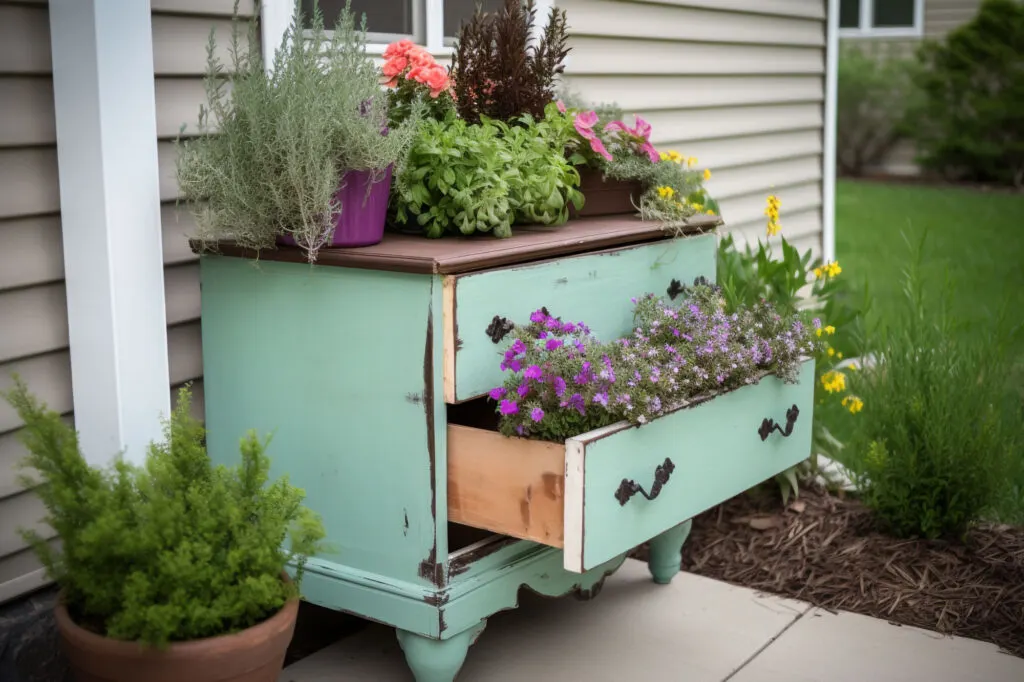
x=866, y=30
x=276, y=14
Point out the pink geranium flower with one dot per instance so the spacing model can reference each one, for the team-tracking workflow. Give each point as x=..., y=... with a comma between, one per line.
x=561, y=106
x=639, y=135
x=584, y=124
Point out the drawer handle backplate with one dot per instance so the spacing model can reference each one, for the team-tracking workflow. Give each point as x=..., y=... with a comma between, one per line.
x=628, y=488
x=769, y=425
x=498, y=328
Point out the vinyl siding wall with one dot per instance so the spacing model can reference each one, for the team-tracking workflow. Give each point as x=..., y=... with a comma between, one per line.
x=940, y=17
x=33, y=311
x=739, y=84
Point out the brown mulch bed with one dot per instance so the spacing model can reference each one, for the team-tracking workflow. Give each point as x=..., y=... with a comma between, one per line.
x=823, y=550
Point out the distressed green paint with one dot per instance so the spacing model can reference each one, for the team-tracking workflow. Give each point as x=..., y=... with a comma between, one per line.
x=530, y=565
x=665, y=552
x=432, y=660
x=331, y=360
x=593, y=288
x=717, y=454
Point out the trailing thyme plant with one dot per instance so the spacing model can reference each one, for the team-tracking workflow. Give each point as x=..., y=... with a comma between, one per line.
x=563, y=382
x=272, y=148
x=498, y=73
x=174, y=550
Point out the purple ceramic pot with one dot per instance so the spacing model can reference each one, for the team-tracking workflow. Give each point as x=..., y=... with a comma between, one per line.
x=362, y=216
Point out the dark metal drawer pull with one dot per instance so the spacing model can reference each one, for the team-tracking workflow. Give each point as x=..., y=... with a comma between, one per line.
x=627, y=489
x=498, y=328
x=769, y=425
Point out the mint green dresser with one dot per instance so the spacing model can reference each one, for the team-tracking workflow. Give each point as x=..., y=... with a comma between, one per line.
x=369, y=369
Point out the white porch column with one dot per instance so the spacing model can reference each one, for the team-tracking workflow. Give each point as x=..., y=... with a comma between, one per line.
x=828, y=240
x=110, y=215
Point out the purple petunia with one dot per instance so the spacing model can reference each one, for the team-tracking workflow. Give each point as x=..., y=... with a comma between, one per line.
x=518, y=347
x=498, y=393
x=533, y=372
x=509, y=407
x=559, y=386
x=536, y=414
x=523, y=389
x=538, y=317
x=553, y=344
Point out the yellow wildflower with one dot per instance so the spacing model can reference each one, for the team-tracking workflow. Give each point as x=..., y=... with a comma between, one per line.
x=664, y=156
x=698, y=207
x=831, y=351
x=819, y=331
x=839, y=355
x=830, y=269
x=666, y=192
x=710, y=212
x=854, y=366
x=833, y=381
x=772, y=211
x=707, y=173
x=853, y=404
x=691, y=162
x=673, y=155
x=830, y=330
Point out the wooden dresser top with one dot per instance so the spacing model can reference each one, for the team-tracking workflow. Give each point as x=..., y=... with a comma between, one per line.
x=455, y=254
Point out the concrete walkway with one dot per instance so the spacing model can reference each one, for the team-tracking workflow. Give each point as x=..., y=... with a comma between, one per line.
x=694, y=630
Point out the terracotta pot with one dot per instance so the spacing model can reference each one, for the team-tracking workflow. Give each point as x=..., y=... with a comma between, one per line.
x=606, y=197
x=253, y=655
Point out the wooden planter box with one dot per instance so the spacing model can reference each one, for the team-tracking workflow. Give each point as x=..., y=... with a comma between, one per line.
x=606, y=197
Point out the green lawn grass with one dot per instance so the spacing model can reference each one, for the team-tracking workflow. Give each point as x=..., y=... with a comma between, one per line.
x=973, y=239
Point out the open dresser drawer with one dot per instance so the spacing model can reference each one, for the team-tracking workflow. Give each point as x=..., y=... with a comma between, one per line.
x=606, y=491
x=594, y=287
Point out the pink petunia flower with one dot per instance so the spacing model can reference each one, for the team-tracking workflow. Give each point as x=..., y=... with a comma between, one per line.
x=561, y=106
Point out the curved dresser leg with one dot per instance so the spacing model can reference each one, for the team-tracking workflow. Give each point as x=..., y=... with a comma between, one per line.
x=666, y=553
x=437, y=660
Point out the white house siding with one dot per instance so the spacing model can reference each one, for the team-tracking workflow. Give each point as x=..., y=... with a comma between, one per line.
x=739, y=84
x=940, y=17
x=33, y=313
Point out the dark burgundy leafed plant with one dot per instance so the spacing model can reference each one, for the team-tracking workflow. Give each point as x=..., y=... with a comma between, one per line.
x=498, y=73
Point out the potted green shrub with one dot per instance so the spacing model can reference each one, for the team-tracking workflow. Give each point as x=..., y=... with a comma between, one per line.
x=173, y=570
x=301, y=154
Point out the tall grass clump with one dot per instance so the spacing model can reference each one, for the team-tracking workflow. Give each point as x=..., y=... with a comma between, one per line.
x=272, y=147
x=941, y=433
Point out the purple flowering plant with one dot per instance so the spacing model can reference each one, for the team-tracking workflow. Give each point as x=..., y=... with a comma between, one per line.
x=562, y=381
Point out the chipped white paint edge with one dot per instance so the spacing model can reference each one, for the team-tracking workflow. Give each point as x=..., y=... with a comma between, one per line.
x=105, y=108
x=575, y=494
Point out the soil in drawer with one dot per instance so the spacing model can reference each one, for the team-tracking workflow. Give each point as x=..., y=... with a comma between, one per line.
x=577, y=495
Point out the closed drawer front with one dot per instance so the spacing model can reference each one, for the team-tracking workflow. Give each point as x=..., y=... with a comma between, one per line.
x=578, y=496
x=594, y=288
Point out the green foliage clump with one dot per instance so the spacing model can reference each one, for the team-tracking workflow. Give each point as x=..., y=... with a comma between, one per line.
x=498, y=74
x=272, y=148
x=941, y=431
x=688, y=196
x=874, y=91
x=563, y=381
x=171, y=551
x=970, y=124
x=466, y=178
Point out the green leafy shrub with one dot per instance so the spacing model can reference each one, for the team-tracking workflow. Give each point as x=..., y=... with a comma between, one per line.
x=801, y=284
x=874, y=88
x=498, y=74
x=171, y=551
x=938, y=441
x=970, y=124
x=272, y=148
x=466, y=178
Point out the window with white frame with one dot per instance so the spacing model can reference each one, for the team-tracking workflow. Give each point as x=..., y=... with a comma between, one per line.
x=432, y=23
x=881, y=18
